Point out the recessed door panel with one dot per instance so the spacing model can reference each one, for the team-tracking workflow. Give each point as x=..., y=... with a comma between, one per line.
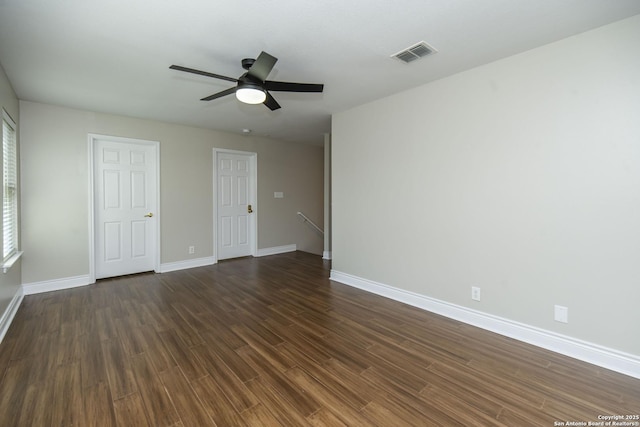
x=112, y=241
x=243, y=190
x=242, y=166
x=138, y=190
x=243, y=230
x=226, y=231
x=226, y=190
x=138, y=238
x=110, y=156
x=111, y=189
x=226, y=165
x=138, y=157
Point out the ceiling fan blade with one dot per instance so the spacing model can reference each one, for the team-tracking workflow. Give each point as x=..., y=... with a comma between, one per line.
x=202, y=73
x=293, y=87
x=220, y=94
x=262, y=66
x=271, y=102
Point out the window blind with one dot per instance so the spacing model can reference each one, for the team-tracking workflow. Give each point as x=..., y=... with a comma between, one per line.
x=10, y=188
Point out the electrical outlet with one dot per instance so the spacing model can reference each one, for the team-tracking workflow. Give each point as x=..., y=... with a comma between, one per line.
x=475, y=293
x=192, y=249
x=561, y=314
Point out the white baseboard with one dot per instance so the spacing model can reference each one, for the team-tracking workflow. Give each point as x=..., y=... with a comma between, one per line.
x=201, y=262
x=276, y=250
x=56, y=284
x=615, y=360
x=183, y=265
x=74, y=282
x=10, y=312
x=326, y=255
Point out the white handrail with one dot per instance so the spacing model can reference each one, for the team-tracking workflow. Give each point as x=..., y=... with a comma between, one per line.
x=306, y=219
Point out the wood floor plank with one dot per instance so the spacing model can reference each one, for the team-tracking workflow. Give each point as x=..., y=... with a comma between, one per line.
x=403, y=355
x=256, y=325
x=270, y=376
x=357, y=330
x=51, y=317
x=67, y=407
x=348, y=354
x=186, y=314
x=397, y=384
x=152, y=316
x=69, y=348
x=92, y=362
x=267, y=351
x=334, y=404
x=297, y=339
x=159, y=408
x=450, y=387
x=184, y=330
x=411, y=412
x=271, y=341
x=352, y=396
x=563, y=384
x=238, y=366
x=182, y=356
x=28, y=344
x=318, y=325
x=279, y=317
x=13, y=391
x=6, y=349
x=324, y=418
x=105, y=325
x=259, y=416
x=223, y=333
x=235, y=390
x=286, y=413
x=46, y=360
x=185, y=400
x=129, y=411
x=156, y=350
x=33, y=408
x=97, y=408
x=519, y=398
x=215, y=402
x=465, y=409
x=118, y=369
x=131, y=337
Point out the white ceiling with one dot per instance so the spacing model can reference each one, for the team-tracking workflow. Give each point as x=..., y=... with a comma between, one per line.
x=113, y=56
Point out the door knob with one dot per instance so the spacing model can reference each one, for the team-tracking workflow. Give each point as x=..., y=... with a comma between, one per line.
x=149, y=215
x=249, y=209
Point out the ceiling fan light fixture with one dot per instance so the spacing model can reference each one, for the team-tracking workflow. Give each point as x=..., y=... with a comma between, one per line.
x=253, y=87
x=251, y=94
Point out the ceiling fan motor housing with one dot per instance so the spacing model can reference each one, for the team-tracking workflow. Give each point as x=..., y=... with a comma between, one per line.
x=247, y=63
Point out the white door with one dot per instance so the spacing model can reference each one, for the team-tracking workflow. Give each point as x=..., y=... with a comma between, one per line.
x=125, y=207
x=235, y=204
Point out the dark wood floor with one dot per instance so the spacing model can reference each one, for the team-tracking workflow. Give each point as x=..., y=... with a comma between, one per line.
x=272, y=342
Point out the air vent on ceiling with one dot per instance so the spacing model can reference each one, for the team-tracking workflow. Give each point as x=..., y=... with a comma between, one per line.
x=414, y=52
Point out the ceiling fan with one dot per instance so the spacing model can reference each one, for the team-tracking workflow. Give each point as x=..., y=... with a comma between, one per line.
x=253, y=87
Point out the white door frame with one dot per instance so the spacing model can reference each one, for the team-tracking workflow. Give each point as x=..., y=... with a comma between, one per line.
x=253, y=190
x=92, y=138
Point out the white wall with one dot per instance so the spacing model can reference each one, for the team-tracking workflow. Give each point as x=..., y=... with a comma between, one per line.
x=55, y=193
x=521, y=176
